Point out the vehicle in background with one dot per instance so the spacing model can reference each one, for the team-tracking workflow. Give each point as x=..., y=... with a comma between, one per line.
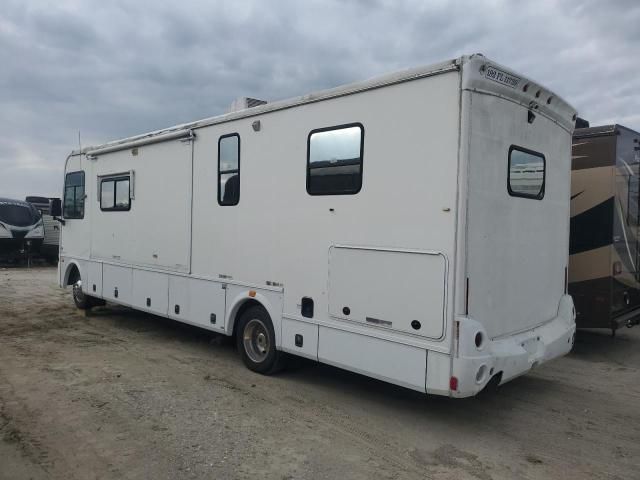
x=604, y=276
x=21, y=228
x=412, y=227
x=51, y=240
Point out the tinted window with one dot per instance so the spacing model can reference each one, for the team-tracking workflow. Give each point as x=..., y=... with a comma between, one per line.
x=334, y=160
x=115, y=194
x=526, y=173
x=73, y=205
x=229, y=169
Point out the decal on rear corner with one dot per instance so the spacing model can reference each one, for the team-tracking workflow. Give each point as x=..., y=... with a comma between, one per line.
x=504, y=78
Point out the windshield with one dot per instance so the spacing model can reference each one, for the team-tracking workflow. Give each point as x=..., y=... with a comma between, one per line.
x=17, y=214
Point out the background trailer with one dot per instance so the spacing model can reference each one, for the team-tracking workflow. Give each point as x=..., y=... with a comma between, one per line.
x=412, y=227
x=604, y=278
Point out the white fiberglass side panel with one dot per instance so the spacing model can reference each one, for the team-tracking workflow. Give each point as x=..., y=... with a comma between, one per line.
x=117, y=284
x=517, y=246
x=300, y=338
x=198, y=302
x=93, y=284
x=155, y=231
x=281, y=234
x=392, y=362
x=207, y=303
x=398, y=290
x=150, y=291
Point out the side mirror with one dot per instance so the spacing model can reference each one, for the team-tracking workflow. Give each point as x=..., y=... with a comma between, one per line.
x=56, y=207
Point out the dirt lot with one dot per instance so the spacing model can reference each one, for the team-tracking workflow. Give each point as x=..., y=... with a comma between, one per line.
x=122, y=394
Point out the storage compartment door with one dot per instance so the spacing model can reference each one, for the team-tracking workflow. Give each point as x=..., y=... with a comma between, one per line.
x=93, y=285
x=151, y=291
x=207, y=303
x=179, y=298
x=394, y=289
x=198, y=302
x=116, y=284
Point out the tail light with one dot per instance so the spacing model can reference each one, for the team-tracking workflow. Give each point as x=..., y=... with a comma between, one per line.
x=453, y=384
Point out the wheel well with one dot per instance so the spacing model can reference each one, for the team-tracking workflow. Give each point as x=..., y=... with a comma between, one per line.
x=247, y=304
x=73, y=275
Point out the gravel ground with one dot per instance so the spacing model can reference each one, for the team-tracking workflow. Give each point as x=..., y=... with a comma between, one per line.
x=122, y=394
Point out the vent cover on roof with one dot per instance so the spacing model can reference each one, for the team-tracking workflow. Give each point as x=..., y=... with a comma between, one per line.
x=243, y=103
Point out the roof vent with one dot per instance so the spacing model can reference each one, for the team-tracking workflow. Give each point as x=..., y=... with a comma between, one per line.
x=242, y=103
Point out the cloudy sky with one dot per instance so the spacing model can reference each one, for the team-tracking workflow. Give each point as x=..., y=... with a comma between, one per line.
x=116, y=68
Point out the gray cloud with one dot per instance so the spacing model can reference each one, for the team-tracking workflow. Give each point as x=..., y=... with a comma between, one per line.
x=114, y=69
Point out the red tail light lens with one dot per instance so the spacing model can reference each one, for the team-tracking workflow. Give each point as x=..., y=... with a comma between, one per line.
x=453, y=384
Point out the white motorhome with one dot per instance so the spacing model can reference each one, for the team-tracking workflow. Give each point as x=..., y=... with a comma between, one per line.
x=374, y=226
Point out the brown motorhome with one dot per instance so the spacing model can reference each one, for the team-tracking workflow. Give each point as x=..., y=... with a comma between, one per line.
x=604, y=275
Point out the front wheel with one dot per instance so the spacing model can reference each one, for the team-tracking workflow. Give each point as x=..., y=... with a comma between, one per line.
x=82, y=300
x=256, y=342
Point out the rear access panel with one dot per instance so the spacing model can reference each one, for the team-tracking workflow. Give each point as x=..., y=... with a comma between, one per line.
x=402, y=290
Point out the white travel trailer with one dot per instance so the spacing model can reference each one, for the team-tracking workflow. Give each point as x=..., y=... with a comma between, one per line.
x=21, y=228
x=374, y=227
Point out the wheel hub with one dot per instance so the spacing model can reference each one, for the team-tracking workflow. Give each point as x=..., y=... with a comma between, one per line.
x=255, y=340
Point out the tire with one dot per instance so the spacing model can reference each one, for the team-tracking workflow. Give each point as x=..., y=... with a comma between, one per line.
x=82, y=300
x=256, y=341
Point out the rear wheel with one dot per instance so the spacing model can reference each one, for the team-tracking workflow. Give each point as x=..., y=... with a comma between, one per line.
x=256, y=342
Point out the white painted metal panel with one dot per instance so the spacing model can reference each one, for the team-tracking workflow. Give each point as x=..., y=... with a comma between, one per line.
x=271, y=300
x=117, y=283
x=194, y=301
x=151, y=291
x=156, y=231
x=93, y=284
x=392, y=362
x=206, y=303
x=438, y=372
x=179, y=300
x=309, y=338
x=517, y=247
x=388, y=289
x=280, y=233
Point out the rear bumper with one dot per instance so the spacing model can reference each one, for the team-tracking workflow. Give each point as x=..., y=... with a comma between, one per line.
x=627, y=319
x=474, y=366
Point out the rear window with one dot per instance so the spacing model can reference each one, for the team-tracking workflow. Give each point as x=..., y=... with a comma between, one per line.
x=526, y=175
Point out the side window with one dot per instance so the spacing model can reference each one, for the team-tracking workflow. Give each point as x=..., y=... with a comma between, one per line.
x=526, y=175
x=334, y=160
x=73, y=195
x=115, y=194
x=229, y=169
